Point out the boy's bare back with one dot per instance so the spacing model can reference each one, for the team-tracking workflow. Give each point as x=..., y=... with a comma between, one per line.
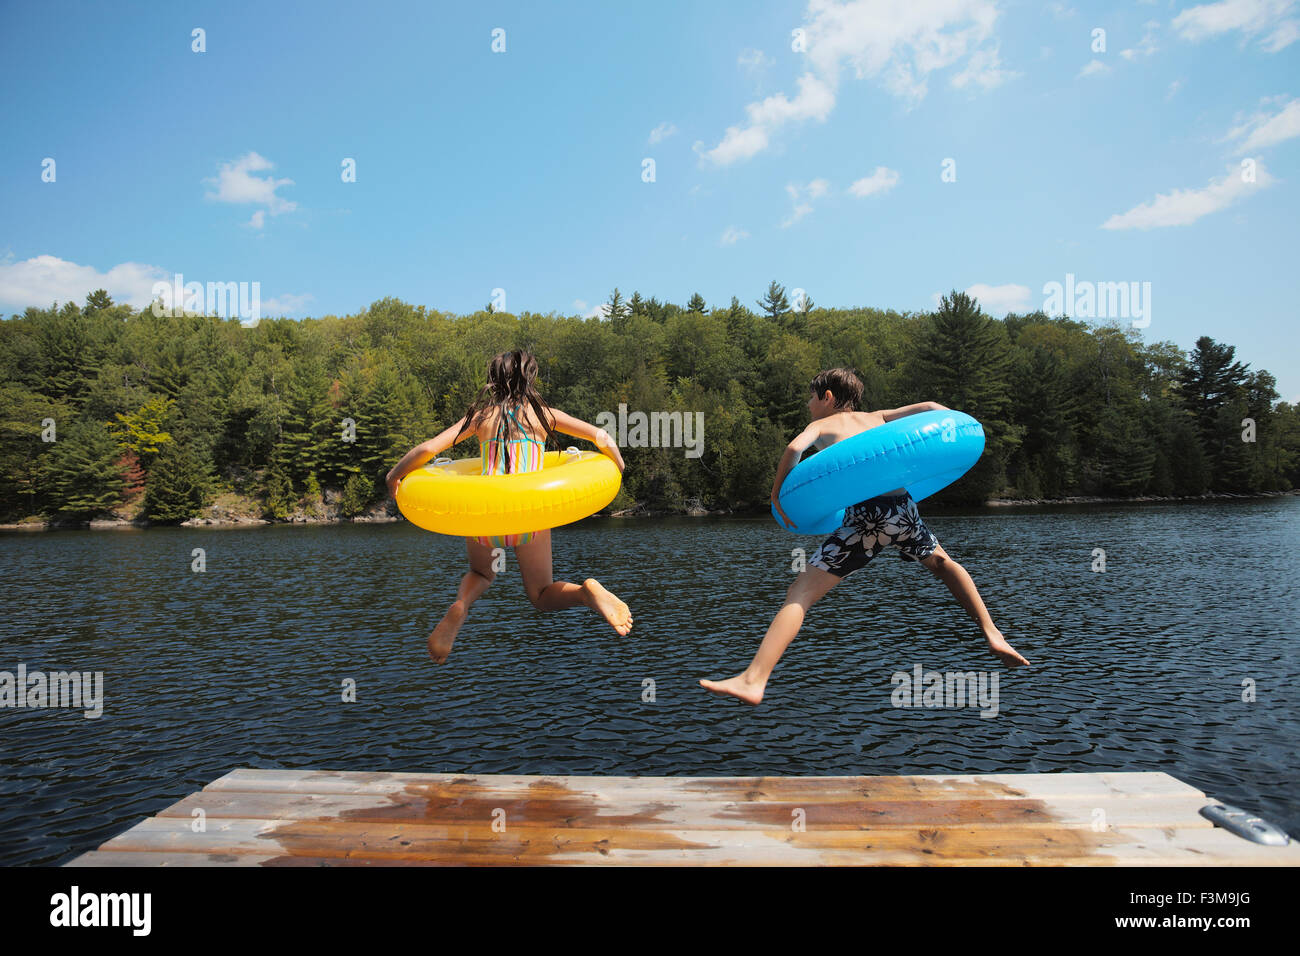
x=841, y=425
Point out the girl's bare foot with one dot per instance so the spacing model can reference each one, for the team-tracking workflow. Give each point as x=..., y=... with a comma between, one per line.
x=736, y=687
x=1005, y=652
x=608, y=606
x=440, y=640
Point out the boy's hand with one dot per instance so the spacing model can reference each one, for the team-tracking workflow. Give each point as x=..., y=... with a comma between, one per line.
x=776, y=503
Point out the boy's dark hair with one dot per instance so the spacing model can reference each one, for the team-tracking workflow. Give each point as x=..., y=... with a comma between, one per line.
x=844, y=386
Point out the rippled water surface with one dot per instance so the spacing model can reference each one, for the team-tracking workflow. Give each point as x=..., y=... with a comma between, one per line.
x=1137, y=668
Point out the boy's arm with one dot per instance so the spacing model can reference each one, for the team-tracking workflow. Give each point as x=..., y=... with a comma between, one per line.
x=580, y=429
x=889, y=414
x=425, y=451
x=793, y=451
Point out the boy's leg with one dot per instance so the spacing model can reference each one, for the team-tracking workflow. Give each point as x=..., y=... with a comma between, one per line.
x=808, y=588
x=963, y=589
x=547, y=594
x=472, y=586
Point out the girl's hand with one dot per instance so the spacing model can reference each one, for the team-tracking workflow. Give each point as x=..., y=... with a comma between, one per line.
x=606, y=445
x=392, y=485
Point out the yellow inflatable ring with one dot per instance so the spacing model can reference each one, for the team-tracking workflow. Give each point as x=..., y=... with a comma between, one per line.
x=453, y=497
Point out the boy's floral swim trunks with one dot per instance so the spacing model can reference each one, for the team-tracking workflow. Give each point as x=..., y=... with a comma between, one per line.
x=868, y=527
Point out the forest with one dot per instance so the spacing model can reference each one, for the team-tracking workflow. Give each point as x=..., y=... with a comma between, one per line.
x=107, y=409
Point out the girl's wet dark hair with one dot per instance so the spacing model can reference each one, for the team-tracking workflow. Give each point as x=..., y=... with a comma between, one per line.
x=511, y=381
x=844, y=386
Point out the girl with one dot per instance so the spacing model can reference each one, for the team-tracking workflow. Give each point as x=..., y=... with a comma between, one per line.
x=507, y=416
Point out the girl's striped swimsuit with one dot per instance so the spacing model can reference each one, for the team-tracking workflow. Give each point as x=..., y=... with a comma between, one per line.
x=522, y=455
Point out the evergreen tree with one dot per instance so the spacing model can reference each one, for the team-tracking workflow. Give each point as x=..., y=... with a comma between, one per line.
x=697, y=304
x=775, y=304
x=357, y=495
x=80, y=471
x=636, y=304
x=1207, y=384
x=963, y=362
x=97, y=301
x=278, y=500
x=616, y=309
x=178, y=486
x=304, y=427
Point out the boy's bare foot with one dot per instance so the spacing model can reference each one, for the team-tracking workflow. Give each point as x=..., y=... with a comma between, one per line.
x=444, y=634
x=1005, y=652
x=608, y=606
x=736, y=687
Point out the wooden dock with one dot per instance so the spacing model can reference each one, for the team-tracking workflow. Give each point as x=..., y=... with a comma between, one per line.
x=338, y=818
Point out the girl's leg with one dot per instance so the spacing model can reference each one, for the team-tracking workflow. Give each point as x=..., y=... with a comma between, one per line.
x=808, y=588
x=472, y=586
x=963, y=589
x=548, y=594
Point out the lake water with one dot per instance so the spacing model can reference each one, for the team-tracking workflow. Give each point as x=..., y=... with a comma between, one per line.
x=1139, y=667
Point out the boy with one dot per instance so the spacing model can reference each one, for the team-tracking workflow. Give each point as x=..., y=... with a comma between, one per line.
x=889, y=519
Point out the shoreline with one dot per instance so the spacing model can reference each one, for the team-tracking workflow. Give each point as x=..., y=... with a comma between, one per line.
x=381, y=515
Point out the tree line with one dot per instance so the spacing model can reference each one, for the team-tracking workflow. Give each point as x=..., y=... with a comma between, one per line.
x=104, y=405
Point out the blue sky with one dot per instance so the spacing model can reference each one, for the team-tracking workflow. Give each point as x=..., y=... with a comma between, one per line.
x=522, y=170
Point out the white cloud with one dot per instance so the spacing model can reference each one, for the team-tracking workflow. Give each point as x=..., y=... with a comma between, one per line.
x=1060, y=10
x=880, y=181
x=899, y=42
x=662, y=132
x=45, y=279
x=1094, y=68
x=236, y=184
x=258, y=219
x=732, y=235
x=1174, y=87
x=1271, y=20
x=1000, y=299
x=754, y=60
x=594, y=312
x=1147, y=45
x=286, y=304
x=1182, y=207
x=985, y=70
x=736, y=144
x=813, y=190
x=800, y=210
x=1264, y=129
x=814, y=101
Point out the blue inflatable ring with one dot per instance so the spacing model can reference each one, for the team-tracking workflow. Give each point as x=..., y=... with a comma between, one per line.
x=922, y=453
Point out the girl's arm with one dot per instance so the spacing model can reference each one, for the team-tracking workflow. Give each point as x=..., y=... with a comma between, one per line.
x=580, y=429
x=423, y=452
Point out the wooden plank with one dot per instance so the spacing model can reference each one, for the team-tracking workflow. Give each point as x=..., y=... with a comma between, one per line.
x=116, y=858
x=659, y=811
x=951, y=786
x=341, y=818
x=481, y=845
